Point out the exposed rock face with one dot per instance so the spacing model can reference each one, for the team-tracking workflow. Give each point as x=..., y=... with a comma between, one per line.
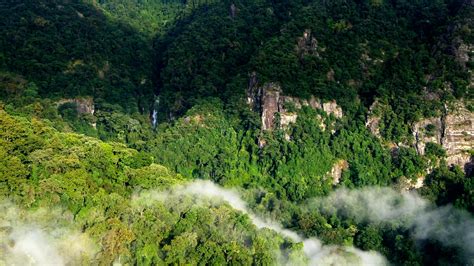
x=427, y=130
x=299, y=103
x=373, y=119
x=287, y=118
x=419, y=183
x=254, y=93
x=462, y=53
x=101, y=72
x=270, y=103
x=333, y=108
x=83, y=105
x=410, y=184
x=195, y=119
x=337, y=170
x=454, y=131
x=330, y=75
x=459, y=136
x=233, y=10
x=307, y=45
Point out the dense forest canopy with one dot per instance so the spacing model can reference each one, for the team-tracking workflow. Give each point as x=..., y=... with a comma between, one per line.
x=295, y=132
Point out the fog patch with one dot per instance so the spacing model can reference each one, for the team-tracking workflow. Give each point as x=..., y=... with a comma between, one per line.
x=448, y=225
x=315, y=250
x=41, y=237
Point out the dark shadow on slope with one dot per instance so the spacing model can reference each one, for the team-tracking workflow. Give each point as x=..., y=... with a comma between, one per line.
x=372, y=52
x=69, y=49
x=207, y=53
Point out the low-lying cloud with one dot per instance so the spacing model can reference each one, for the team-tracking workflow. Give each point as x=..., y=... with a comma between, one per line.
x=315, y=250
x=43, y=237
x=47, y=237
x=448, y=225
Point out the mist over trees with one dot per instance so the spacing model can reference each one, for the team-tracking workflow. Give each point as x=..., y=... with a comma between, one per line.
x=134, y=129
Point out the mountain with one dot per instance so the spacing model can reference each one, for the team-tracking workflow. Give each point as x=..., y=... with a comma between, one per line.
x=236, y=132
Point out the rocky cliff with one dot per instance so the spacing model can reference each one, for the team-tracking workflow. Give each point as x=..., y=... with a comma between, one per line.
x=84, y=105
x=374, y=118
x=454, y=131
x=458, y=139
x=336, y=172
x=270, y=102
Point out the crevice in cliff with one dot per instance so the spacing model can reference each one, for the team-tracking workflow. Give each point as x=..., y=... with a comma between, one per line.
x=443, y=125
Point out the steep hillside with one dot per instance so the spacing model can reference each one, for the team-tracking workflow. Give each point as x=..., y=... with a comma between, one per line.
x=241, y=132
x=69, y=49
x=343, y=50
x=83, y=201
x=149, y=17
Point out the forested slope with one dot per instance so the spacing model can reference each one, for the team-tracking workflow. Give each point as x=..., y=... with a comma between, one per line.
x=348, y=122
x=343, y=50
x=70, y=184
x=73, y=49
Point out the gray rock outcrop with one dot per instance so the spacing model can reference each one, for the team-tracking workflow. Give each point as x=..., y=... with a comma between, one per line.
x=454, y=131
x=336, y=172
x=270, y=102
x=373, y=119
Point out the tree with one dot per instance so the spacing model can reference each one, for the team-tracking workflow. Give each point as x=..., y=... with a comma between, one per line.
x=369, y=238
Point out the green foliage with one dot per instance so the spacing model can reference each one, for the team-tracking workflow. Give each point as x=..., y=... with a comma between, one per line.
x=370, y=163
x=204, y=145
x=434, y=149
x=201, y=60
x=72, y=50
x=43, y=168
x=450, y=185
x=148, y=17
x=374, y=49
x=430, y=130
x=408, y=163
x=369, y=239
x=114, y=125
x=68, y=111
x=397, y=52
